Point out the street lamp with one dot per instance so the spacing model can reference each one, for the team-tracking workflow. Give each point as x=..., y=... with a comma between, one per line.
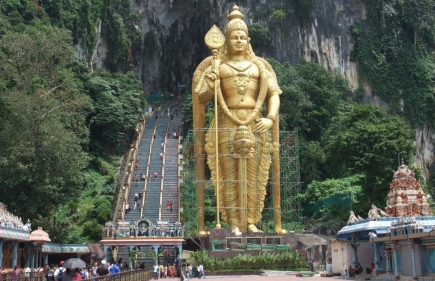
x=38, y=238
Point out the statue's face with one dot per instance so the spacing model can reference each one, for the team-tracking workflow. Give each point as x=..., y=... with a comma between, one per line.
x=238, y=42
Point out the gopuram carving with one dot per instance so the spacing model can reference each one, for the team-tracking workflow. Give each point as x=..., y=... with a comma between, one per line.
x=406, y=197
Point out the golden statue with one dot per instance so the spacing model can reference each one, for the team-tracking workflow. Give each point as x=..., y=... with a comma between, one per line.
x=248, y=142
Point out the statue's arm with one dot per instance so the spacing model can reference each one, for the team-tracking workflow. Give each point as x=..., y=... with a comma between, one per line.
x=206, y=92
x=273, y=104
x=273, y=99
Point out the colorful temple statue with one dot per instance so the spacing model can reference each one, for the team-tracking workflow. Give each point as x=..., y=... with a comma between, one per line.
x=406, y=197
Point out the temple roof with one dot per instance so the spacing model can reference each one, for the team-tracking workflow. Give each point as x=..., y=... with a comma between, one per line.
x=380, y=226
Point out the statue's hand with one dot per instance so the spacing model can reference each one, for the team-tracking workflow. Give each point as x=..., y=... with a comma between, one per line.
x=263, y=124
x=210, y=78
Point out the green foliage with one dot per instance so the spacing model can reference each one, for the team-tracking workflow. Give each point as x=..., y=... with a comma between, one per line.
x=365, y=140
x=310, y=99
x=78, y=16
x=394, y=51
x=260, y=37
x=290, y=259
x=319, y=190
x=118, y=105
x=330, y=197
x=42, y=129
x=277, y=19
x=53, y=122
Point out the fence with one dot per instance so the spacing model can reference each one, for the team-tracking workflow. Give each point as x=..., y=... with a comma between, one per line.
x=130, y=275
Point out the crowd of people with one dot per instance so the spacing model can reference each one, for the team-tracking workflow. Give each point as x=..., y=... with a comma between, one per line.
x=61, y=273
x=195, y=271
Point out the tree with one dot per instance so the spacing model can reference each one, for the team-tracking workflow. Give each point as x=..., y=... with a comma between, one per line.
x=118, y=105
x=365, y=140
x=260, y=38
x=42, y=122
x=333, y=197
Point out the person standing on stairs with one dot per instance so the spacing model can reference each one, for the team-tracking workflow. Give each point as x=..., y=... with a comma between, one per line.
x=134, y=205
x=156, y=175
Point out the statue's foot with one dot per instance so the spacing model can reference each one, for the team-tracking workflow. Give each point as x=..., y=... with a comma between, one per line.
x=281, y=231
x=253, y=228
x=236, y=230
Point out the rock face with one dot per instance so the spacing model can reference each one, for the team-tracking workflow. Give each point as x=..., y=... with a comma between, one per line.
x=179, y=26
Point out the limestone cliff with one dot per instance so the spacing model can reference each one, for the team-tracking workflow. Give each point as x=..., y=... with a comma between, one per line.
x=178, y=28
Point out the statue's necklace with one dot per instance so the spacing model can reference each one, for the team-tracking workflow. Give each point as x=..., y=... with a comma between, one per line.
x=241, y=79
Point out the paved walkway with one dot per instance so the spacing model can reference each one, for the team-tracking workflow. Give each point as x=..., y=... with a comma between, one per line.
x=269, y=278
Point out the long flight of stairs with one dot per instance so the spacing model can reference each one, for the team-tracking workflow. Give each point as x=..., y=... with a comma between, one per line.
x=154, y=197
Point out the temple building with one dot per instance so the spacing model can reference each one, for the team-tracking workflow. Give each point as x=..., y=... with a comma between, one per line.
x=20, y=246
x=399, y=240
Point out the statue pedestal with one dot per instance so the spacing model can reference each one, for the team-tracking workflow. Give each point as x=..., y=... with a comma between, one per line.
x=224, y=243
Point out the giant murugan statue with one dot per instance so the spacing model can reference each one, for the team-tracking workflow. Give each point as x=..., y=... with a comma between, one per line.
x=246, y=141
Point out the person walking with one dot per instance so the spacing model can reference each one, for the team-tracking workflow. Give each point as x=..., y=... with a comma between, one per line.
x=155, y=271
x=14, y=274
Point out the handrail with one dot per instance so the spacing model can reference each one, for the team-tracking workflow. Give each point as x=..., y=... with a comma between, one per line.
x=163, y=178
x=179, y=161
x=147, y=177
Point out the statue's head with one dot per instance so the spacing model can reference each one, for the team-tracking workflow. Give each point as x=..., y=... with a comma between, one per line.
x=237, y=35
x=235, y=22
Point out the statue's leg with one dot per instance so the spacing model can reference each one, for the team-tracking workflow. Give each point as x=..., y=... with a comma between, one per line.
x=258, y=175
x=227, y=174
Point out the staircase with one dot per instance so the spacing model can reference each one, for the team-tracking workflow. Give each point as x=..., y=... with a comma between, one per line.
x=155, y=191
x=170, y=184
x=152, y=190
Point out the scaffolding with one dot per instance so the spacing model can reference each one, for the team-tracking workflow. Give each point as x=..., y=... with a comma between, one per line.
x=288, y=178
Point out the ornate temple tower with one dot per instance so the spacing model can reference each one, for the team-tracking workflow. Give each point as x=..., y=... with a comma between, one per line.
x=406, y=197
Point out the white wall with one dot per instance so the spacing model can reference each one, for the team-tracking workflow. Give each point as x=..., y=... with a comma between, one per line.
x=342, y=255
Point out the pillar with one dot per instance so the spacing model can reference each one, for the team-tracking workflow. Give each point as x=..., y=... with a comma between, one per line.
x=1, y=253
x=180, y=250
x=387, y=254
x=414, y=267
x=45, y=258
x=355, y=250
x=378, y=262
x=156, y=251
x=396, y=263
x=14, y=253
x=106, y=251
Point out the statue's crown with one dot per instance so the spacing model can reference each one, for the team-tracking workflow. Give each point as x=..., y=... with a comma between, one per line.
x=235, y=22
